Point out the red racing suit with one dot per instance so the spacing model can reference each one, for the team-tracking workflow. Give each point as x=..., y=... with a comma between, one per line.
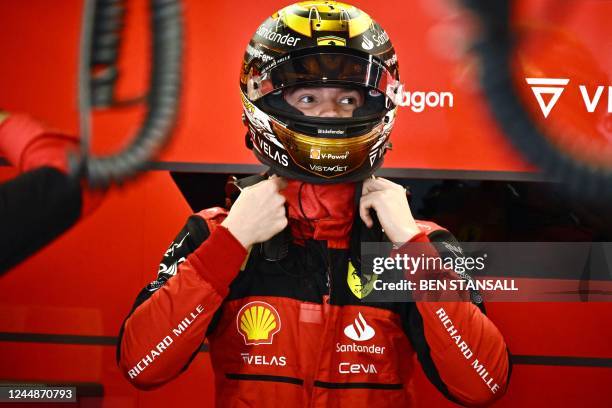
x=291, y=332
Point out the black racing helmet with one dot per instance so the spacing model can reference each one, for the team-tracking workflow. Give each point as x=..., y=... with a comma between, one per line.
x=319, y=43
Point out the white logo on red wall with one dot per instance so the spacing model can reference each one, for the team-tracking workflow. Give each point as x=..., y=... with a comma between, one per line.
x=359, y=330
x=591, y=94
x=547, y=86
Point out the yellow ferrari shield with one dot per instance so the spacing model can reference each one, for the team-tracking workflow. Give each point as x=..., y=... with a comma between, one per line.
x=360, y=285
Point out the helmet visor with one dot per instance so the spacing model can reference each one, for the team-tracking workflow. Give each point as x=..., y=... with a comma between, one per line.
x=324, y=69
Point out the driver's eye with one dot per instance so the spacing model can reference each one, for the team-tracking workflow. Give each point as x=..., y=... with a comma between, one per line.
x=306, y=99
x=348, y=100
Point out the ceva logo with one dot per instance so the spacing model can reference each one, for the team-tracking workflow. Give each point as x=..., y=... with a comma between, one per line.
x=556, y=86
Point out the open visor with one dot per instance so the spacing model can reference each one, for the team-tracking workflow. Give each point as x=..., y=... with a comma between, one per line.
x=327, y=68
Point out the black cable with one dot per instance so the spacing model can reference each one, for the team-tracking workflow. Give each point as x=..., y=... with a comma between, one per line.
x=164, y=87
x=104, y=59
x=495, y=50
x=304, y=261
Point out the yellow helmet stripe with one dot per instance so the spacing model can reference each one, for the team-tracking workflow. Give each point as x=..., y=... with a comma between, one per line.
x=305, y=24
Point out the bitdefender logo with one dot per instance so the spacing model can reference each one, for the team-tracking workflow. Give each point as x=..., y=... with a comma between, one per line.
x=330, y=131
x=547, y=86
x=556, y=86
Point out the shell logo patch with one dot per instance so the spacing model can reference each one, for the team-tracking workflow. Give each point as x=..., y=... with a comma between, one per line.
x=315, y=153
x=258, y=322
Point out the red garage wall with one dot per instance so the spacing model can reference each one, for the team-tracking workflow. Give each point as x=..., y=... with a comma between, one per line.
x=61, y=310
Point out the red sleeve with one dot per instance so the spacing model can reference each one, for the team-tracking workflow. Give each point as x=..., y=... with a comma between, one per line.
x=459, y=347
x=28, y=145
x=162, y=334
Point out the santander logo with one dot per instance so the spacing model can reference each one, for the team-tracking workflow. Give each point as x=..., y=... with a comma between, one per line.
x=367, y=44
x=359, y=330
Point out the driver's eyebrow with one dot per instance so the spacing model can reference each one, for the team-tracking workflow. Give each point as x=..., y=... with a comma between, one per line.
x=290, y=93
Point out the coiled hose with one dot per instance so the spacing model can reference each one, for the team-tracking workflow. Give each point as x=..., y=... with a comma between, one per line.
x=103, y=21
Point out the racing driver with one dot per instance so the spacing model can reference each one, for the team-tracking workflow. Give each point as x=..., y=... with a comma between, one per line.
x=275, y=284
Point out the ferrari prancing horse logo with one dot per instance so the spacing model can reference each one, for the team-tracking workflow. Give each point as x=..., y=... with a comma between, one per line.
x=360, y=284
